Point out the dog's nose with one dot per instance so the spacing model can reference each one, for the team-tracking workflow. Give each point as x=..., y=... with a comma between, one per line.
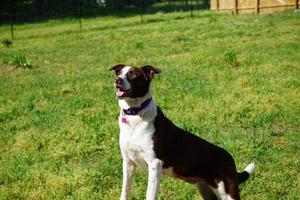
x=118, y=81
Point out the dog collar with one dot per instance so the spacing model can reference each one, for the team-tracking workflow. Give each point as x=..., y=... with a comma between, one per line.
x=136, y=110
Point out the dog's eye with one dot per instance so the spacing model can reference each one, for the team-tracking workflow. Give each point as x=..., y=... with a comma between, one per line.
x=132, y=76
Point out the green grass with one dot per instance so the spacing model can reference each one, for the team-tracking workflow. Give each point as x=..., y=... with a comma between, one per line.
x=233, y=80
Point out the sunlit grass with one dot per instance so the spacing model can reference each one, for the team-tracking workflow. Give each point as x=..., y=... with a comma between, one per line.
x=58, y=120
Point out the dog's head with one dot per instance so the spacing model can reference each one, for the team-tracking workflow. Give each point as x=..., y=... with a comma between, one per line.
x=133, y=82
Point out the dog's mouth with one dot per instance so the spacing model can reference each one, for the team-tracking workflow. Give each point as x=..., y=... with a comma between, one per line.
x=121, y=92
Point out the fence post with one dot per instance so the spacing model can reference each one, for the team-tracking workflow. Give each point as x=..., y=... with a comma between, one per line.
x=257, y=6
x=217, y=5
x=297, y=4
x=80, y=15
x=142, y=11
x=235, y=7
x=60, y=8
x=12, y=29
x=192, y=8
x=12, y=17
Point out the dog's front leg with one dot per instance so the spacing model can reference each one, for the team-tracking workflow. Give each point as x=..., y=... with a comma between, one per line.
x=128, y=170
x=154, y=173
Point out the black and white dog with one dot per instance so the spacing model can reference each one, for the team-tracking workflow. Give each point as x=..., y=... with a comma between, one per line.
x=151, y=141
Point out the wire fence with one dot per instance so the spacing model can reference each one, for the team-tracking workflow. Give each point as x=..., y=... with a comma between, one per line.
x=15, y=12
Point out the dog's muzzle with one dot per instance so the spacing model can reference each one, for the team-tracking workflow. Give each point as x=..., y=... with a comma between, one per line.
x=121, y=92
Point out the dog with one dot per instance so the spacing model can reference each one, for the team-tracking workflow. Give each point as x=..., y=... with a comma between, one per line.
x=150, y=141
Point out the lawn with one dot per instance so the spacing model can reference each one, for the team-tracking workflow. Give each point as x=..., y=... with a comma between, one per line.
x=232, y=80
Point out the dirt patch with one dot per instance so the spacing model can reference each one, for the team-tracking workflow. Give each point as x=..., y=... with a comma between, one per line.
x=279, y=140
x=10, y=68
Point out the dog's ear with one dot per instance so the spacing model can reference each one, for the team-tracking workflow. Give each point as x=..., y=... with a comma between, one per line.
x=150, y=71
x=117, y=68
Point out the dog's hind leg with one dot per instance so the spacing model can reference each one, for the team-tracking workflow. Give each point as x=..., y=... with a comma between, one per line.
x=206, y=192
x=228, y=192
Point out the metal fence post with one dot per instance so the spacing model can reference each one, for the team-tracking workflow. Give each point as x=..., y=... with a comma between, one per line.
x=142, y=10
x=80, y=15
x=12, y=17
x=12, y=30
x=60, y=8
x=192, y=8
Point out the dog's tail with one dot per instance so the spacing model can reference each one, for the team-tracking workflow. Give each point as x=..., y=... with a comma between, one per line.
x=243, y=176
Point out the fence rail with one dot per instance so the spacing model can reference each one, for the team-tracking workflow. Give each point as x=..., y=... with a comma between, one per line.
x=256, y=6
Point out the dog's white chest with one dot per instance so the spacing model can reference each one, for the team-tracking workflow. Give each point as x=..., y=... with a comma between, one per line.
x=136, y=153
x=136, y=141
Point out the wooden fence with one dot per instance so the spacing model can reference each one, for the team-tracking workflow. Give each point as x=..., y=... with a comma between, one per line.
x=256, y=6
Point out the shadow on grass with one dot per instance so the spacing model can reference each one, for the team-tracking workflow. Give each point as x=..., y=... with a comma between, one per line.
x=29, y=15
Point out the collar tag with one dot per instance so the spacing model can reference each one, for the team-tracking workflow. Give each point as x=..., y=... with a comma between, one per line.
x=124, y=118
